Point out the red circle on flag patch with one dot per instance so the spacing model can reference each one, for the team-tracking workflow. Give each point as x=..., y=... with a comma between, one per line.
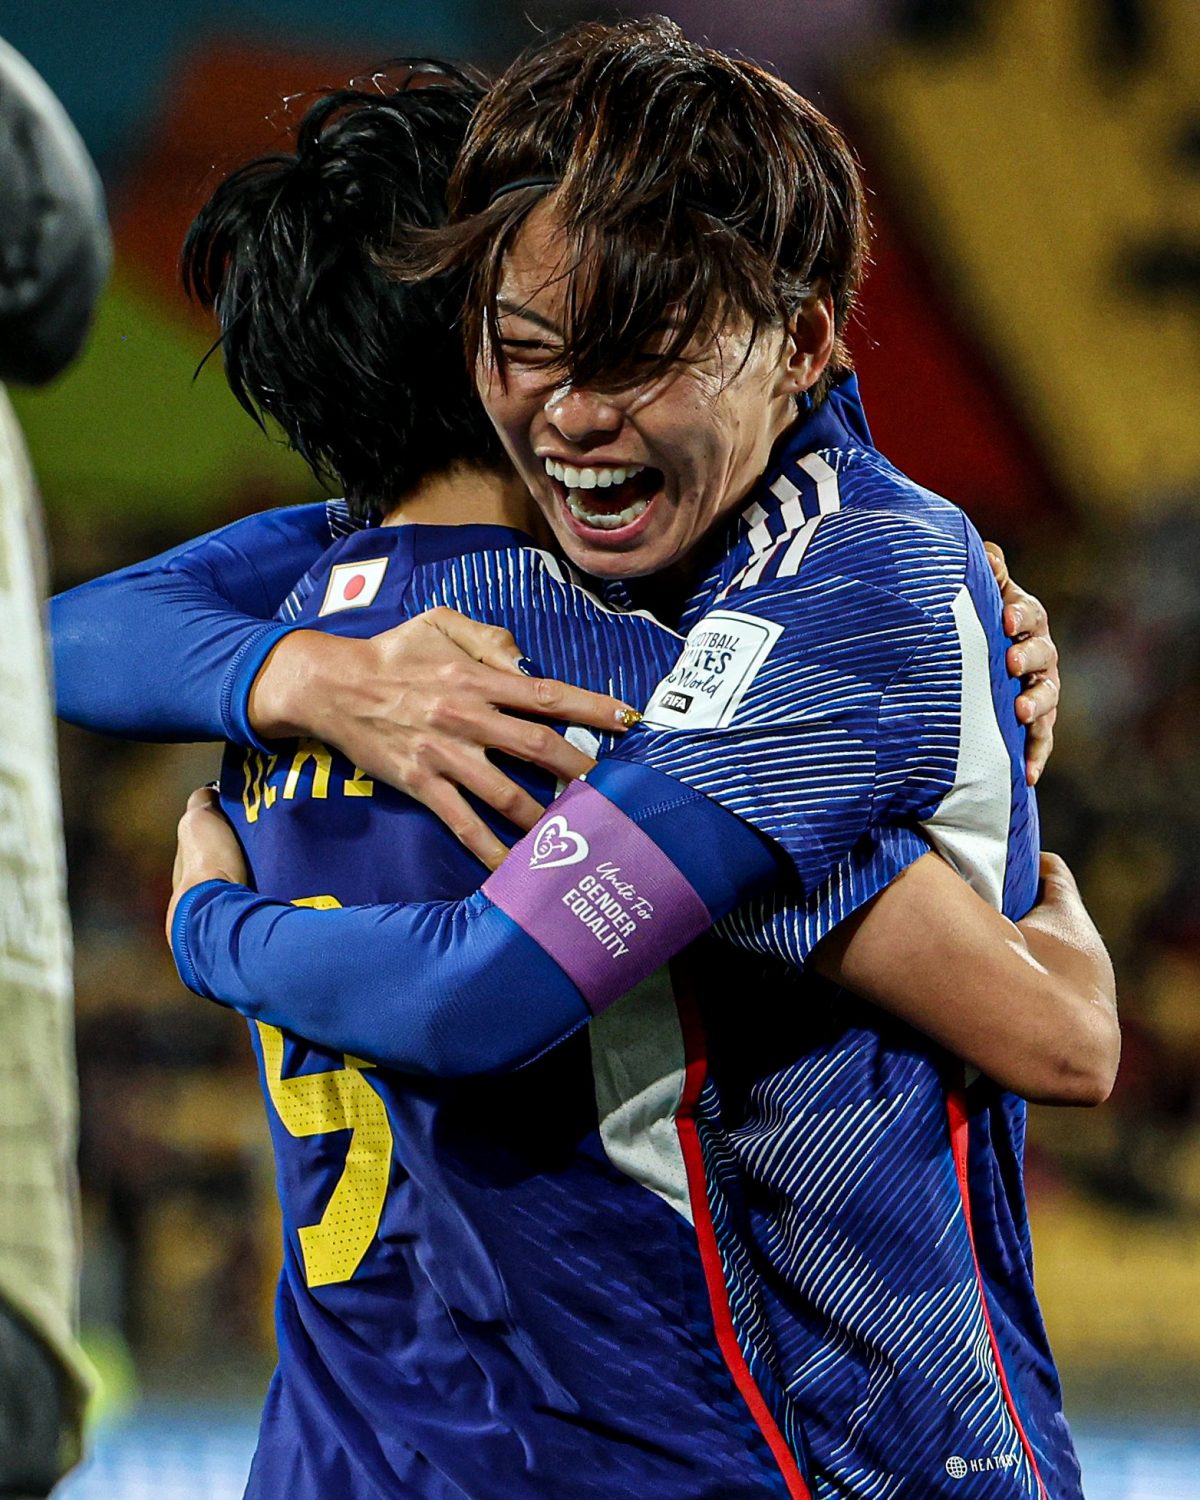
x=354, y=586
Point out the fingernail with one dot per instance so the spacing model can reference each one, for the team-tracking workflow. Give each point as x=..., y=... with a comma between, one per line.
x=1018, y=620
x=628, y=717
x=1018, y=662
x=525, y=666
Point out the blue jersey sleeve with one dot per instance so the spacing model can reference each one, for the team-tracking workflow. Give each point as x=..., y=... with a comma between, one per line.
x=822, y=707
x=168, y=649
x=615, y=879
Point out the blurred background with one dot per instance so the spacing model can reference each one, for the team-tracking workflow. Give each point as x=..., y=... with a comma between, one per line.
x=1029, y=345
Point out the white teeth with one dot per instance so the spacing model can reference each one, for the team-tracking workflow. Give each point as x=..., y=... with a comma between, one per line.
x=590, y=479
x=604, y=521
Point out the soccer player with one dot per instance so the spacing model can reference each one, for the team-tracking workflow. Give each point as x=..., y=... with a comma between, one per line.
x=838, y=706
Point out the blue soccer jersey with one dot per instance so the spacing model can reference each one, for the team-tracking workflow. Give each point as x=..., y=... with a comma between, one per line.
x=489, y=1288
x=856, y=1209
x=843, y=688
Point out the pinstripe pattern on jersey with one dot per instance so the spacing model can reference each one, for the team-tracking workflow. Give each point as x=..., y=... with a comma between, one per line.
x=340, y=523
x=835, y=1171
x=637, y=1096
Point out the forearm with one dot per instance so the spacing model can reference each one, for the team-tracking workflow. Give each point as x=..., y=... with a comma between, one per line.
x=445, y=989
x=1037, y=1017
x=1062, y=940
x=590, y=903
x=168, y=649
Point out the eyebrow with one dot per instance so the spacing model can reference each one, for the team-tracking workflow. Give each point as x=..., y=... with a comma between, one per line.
x=503, y=305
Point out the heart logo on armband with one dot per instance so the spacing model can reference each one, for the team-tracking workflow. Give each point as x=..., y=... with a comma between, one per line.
x=557, y=845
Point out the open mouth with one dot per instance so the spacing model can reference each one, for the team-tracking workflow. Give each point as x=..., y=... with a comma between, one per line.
x=607, y=497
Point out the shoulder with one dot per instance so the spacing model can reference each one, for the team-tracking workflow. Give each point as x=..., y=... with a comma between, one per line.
x=875, y=531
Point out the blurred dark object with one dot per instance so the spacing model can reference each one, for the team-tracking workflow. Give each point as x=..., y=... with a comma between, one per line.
x=54, y=242
x=54, y=257
x=30, y=1399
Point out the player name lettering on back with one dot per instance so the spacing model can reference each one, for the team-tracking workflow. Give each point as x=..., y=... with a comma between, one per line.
x=266, y=777
x=719, y=661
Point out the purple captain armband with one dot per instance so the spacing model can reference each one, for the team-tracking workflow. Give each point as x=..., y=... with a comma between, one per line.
x=598, y=895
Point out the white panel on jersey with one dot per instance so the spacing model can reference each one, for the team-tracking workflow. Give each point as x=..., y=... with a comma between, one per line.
x=721, y=658
x=639, y=1066
x=353, y=585
x=829, y=495
x=970, y=827
x=583, y=740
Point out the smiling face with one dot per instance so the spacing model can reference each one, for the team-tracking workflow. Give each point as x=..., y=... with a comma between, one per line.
x=631, y=479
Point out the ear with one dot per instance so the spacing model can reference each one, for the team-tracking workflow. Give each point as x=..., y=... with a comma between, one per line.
x=808, y=347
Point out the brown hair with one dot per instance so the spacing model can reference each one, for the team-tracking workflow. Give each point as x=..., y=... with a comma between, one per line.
x=689, y=184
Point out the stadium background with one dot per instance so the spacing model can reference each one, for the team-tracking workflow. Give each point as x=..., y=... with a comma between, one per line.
x=1029, y=345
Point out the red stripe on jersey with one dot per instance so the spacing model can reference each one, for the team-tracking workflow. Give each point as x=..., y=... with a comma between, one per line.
x=696, y=1069
x=956, y=1112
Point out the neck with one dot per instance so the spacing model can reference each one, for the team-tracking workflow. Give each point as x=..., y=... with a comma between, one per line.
x=465, y=495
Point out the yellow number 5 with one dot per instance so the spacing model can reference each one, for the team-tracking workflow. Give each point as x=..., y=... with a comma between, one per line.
x=318, y=1104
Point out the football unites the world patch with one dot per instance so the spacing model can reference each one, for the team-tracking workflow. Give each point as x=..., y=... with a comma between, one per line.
x=719, y=661
x=353, y=585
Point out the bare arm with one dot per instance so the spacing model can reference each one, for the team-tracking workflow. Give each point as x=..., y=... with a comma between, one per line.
x=1032, y=1004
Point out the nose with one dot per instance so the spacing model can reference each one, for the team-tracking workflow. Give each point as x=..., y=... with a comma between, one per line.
x=582, y=415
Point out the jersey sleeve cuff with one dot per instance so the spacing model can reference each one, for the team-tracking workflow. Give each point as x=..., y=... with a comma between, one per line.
x=181, y=950
x=239, y=680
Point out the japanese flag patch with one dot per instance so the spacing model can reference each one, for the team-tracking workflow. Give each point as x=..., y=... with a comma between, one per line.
x=720, y=659
x=353, y=585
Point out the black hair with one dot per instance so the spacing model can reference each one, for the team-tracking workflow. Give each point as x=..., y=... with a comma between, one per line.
x=366, y=377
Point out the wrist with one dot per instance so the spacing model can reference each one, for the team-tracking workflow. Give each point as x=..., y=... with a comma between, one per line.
x=178, y=917
x=295, y=684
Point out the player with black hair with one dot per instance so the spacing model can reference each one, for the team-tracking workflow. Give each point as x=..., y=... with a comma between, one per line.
x=313, y=333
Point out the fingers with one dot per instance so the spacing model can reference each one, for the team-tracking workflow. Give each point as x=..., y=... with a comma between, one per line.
x=447, y=803
x=1039, y=744
x=487, y=644
x=1024, y=615
x=538, y=744
x=1037, y=701
x=487, y=782
x=1037, y=654
x=995, y=556
x=560, y=700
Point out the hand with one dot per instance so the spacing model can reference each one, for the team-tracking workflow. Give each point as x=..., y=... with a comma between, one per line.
x=207, y=849
x=420, y=705
x=1033, y=657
